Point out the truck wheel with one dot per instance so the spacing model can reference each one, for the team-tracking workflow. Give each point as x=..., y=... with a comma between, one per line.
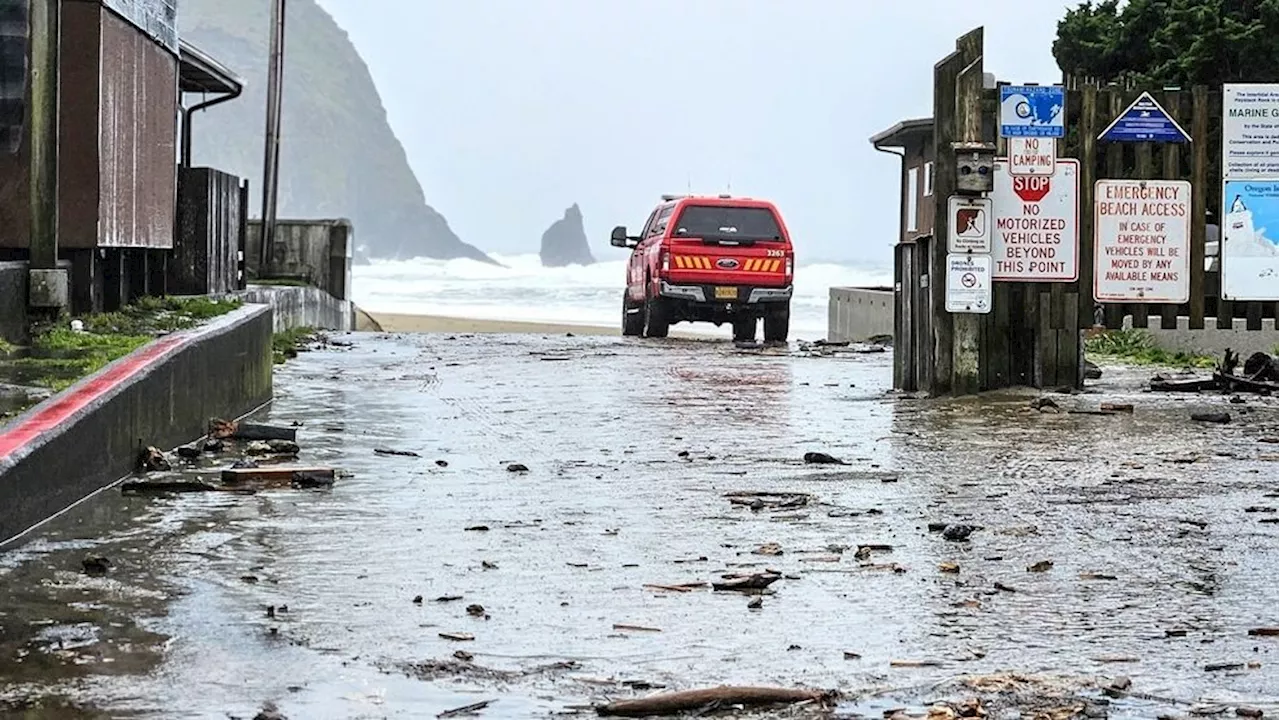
x=777, y=324
x=632, y=317
x=744, y=329
x=657, y=317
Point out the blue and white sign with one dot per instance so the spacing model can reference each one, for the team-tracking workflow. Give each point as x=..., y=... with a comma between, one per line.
x=1250, y=248
x=1145, y=121
x=1033, y=111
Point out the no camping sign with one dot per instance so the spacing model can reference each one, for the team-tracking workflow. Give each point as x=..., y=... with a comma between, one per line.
x=1037, y=224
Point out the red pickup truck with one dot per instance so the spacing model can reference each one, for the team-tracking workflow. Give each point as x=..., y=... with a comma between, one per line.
x=719, y=259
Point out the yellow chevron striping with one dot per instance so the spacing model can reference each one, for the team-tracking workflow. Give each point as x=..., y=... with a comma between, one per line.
x=753, y=264
x=773, y=265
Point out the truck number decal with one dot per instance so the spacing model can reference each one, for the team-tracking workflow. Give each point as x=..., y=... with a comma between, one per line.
x=775, y=253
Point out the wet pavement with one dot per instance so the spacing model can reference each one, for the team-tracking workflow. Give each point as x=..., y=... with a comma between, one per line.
x=1139, y=545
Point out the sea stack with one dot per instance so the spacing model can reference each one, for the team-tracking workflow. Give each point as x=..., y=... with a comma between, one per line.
x=565, y=242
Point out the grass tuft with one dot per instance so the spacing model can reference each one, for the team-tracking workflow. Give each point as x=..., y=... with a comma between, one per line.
x=1138, y=347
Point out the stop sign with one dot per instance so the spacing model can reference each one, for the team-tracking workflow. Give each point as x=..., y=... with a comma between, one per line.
x=1031, y=189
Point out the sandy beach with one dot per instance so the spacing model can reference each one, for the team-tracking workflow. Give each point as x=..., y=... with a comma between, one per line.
x=401, y=323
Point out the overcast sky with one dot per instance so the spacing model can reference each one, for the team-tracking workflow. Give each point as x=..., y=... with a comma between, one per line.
x=511, y=110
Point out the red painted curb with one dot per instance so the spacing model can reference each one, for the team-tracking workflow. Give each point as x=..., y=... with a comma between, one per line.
x=65, y=404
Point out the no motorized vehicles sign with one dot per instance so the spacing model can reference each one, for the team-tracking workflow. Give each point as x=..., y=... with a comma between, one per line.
x=1037, y=226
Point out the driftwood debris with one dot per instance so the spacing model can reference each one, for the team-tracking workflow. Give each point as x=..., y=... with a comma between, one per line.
x=753, y=581
x=673, y=703
x=230, y=429
x=471, y=709
x=1258, y=375
x=279, y=476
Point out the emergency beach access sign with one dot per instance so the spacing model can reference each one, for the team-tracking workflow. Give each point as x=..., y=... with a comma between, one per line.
x=1142, y=247
x=1037, y=224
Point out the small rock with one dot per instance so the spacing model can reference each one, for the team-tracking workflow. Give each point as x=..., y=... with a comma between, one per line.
x=190, y=452
x=463, y=655
x=1236, y=400
x=283, y=447
x=443, y=464
x=269, y=712
x=768, y=549
x=1044, y=404
x=756, y=603
x=683, y=454
x=517, y=468
x=1004, y=588
x=214, y=445
x=957, y=533
x=478, y=528
x=851, y=655
x=417, y=599
x=1042, y=566
x=1092, y=371
x=818, y=458
x=1249, y=712
x=1220, y=418
x=152, y=460
x=1119, y=684
x=793, y=647
x=757, y=505
x=487, y=565
x=949, y=567
x=475, y=610
x=95, y=565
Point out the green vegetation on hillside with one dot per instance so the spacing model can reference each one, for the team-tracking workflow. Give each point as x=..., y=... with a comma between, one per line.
x=1170, y=43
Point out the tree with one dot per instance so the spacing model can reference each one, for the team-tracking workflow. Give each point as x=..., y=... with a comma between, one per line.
x=1170, y=43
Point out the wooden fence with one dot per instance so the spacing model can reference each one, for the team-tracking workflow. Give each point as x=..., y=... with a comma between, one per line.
x=213, y=210
x=1032, y=334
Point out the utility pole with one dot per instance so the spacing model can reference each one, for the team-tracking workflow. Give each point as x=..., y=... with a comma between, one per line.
x=271, y=152
x=47, y=287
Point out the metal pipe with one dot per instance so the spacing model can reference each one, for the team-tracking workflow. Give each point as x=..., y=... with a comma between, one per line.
x=44, y=28
x=271, y=149
x=186, y=121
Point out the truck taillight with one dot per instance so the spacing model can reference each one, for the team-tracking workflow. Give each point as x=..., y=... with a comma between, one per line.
x=666, y=261
x=789, y=263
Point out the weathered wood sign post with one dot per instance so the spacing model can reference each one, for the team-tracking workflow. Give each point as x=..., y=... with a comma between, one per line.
x=1060, y=208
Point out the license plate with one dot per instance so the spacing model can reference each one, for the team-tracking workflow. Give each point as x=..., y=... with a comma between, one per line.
x=726, y=293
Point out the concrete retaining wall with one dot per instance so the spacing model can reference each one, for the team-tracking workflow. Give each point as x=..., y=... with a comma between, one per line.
x=1211, y=340
x=318, y=251
x=88, y=437
x=294, y=307
x=857, y=314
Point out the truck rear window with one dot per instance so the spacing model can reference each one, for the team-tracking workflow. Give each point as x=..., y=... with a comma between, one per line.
x=746, y=223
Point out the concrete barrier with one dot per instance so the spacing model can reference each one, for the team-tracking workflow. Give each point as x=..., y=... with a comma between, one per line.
x=855, y=314
x=302, y=306
x=88, y=437
x=1212, y=340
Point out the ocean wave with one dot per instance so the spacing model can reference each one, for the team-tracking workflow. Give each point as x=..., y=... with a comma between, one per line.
x=522, y=289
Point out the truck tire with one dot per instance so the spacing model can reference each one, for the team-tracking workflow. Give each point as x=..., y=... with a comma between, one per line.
x=657, y=317
x=632, y=317
x=744, y=329
x=777, y=324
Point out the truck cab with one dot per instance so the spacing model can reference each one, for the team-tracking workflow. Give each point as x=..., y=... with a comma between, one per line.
x=718, y=259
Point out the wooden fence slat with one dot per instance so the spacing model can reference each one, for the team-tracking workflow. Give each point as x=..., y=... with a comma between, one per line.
x=1144, y=170
x=1046, y=345
x=1068, y=356
x=997, y=359
x=1253, y=316
x=1172, y=169
x=1199, y=188
x=1115, y=169
x=1088, y=156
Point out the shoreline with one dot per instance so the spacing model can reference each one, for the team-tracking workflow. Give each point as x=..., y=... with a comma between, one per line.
x=413, y=323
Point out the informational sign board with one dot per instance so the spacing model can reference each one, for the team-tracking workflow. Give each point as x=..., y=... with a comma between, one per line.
x=1037, y=224
x=1145, y=121
x=969, y=224
x=1032, y=156
x=1251, y=132
x=1142, y=245
x=968, y=283
x=1032, y=111
x=1250, y=248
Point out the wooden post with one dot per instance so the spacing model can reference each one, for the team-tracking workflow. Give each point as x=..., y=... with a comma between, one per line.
x=45, y=16
x=1173, y=105
x=965, y=357
x=1115, y=169
x=271, y=151
x=1199, y=191
x=1088, y=164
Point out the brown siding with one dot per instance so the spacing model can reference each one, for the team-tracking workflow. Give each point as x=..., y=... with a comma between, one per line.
x=77, y=139
x=138, y=138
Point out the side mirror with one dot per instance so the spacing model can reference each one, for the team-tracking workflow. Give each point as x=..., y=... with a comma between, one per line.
x=618, y=238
